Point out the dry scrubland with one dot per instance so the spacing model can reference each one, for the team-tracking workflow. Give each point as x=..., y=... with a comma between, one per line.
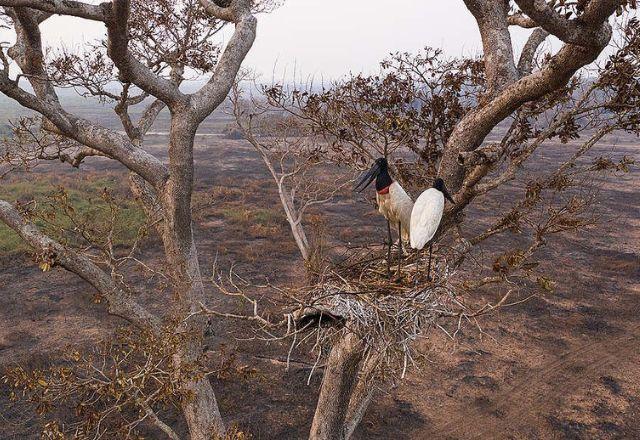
x=563, y=364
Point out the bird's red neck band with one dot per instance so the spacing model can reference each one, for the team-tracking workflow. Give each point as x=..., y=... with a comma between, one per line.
x=384, y=190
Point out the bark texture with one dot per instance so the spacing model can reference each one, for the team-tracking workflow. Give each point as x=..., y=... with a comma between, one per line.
x=338, y=383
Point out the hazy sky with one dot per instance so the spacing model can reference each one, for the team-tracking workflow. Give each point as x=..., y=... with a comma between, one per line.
x=329, y=38
x=354, y=35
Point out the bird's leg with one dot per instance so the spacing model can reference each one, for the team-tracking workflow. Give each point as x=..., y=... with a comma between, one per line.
x=429, y=266
x=389, y=250
x=399, y=248
x=415, y=280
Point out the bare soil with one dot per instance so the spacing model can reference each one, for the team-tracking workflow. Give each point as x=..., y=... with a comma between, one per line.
x=562, y=365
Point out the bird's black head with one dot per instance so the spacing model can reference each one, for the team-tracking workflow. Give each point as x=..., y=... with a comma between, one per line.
x=380, y=172
x=382, y=163
x=440, y=186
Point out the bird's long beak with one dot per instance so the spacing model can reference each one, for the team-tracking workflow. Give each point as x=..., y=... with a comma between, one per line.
x=447, y=195
x=367, y=178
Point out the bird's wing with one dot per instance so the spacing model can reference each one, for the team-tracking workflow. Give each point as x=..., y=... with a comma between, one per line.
x=425, y=217
x=397, y=192
x=403, y=206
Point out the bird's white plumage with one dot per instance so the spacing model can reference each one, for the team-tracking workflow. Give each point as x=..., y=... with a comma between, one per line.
x=425, y=217
x=396, y=206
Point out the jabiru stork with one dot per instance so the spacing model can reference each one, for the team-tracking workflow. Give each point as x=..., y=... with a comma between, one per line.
x=426, y=216
x=393, y=203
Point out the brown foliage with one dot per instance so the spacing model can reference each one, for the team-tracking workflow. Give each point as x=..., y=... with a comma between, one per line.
x=110, y=390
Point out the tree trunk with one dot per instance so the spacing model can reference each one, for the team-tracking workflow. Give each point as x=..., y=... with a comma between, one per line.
x=200, y=407
x=361, y=396
x=295, y=223
x=199, y=404
x=338, y=384
x=164, y=192
x=293, y=216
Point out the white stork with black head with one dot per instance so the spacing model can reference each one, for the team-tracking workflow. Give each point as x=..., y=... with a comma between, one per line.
x=426, y=216
x=393, y=203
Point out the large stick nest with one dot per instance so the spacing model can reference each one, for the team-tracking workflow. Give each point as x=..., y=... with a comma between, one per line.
x=389, y=315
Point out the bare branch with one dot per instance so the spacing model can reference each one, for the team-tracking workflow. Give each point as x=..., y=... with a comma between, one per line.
x=159, y=423
x=519, y=19
x=476, y=125
x=108, y=142
x=28, y=53
x=132, y=70
x=491, y=16
x=149, y=116
x=76, y=158
x=63, y=7
x=228, y=13
x=120, y=300
x=525, y=63
x=216, y=90
x=590, y=29
x=485, y=154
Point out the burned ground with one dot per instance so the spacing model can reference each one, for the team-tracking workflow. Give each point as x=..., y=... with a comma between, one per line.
x=563, y=364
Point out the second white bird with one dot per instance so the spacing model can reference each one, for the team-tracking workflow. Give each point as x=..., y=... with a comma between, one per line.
x=426, y=216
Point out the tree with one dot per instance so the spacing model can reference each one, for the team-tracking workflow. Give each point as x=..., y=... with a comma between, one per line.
x=147, y=49
x=430, y=117
x=293, y=157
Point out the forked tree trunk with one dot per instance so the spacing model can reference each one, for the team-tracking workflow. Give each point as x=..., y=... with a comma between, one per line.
x=338, y=383
x=164, y=191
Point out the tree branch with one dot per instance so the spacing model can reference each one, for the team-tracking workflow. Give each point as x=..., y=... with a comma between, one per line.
x=28, y=54
x=76, y=158
x=149, y=116
x=525, y=63
x=215, y=91
x=519, y=19
x=159, y=423
x=590, y=29
x=119, y=299
x=227, y=13
x=471, y=131
x=108, y=142
x=63, y=7
x=491, y=16
x=132, y=70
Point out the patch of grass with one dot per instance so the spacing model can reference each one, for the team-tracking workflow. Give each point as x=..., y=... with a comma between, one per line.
x=85, y=201
x=261, y=231
x=236, y=214
x=253, y=223
x=266, y=217
x=10, y=242
x=202, y=201
x=224, y=192
x=247, y=216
